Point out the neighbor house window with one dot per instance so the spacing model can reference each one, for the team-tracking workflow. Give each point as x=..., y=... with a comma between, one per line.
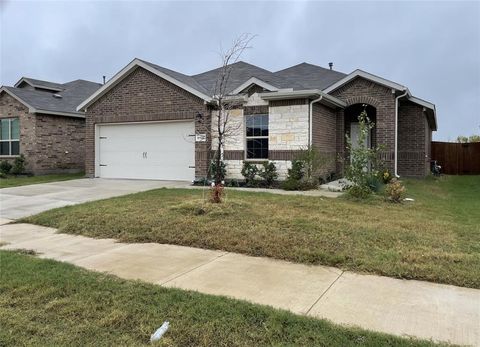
x=9, y=136
x=257, y=136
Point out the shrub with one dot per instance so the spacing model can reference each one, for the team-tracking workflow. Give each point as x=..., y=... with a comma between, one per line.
x=297, y=171
x=291, y=184
x=395, y=191
x=18, y=167
x=221, y=170
x=359, y=192
x=5, y=167
x=374, y=183
x=249, y=171
x=315, y=164
x=385, y=176
x=268, y=173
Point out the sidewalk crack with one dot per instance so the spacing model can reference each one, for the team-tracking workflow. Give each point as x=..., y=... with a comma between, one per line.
x=192, y=269
x=325, y=292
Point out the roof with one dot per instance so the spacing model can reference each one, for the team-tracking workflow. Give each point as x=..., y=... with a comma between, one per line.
x=300, y=79
x=42, y=101
x=310, y=76
x=188, y=80
x=40, y=84
x=240, y=72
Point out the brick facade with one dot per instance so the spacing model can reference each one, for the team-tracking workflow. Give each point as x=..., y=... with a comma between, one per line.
x=414, y=140
x=59, y=144
x=324, y=135
x=362, y=91
x=143, y=96
x=50, y=144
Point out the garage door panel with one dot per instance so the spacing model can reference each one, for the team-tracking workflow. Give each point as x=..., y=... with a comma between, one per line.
x=147, y=151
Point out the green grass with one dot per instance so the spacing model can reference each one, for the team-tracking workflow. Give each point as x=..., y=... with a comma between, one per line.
x=436, y=238
x=48, y=303
x=26, y=180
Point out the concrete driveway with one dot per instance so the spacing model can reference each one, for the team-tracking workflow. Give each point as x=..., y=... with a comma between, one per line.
x=18, y=202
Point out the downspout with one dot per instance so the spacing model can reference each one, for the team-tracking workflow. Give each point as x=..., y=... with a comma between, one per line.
x=310, y=119
x=396, y=131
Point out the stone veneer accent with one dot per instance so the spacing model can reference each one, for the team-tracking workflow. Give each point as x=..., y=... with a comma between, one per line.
x=288, y=133
x=143, y=96
x=50, y=144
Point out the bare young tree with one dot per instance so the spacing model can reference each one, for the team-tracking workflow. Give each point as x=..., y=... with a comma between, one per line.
x=222, y=128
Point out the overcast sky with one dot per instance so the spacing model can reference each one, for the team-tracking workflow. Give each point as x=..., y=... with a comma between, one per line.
x=431, y=47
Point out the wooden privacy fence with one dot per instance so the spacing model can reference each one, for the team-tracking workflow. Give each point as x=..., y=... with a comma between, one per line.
x=457, y=158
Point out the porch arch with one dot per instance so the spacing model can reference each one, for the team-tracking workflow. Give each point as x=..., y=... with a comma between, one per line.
x=362, y=99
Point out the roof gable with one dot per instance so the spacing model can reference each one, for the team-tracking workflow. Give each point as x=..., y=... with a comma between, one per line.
x=39, y=84
x=366, y=75
x=180, y=80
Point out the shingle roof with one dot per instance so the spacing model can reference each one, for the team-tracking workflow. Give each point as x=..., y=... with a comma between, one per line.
x=188, y=80
x=310, y=76
x=40, y=84
x=73, y=93
x=240, y=73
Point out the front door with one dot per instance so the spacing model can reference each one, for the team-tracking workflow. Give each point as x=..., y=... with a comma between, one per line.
x=355, y=134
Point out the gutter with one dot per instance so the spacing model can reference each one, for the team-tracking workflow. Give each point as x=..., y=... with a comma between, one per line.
x=301, y=94
x=310, y=119
x=396, y=131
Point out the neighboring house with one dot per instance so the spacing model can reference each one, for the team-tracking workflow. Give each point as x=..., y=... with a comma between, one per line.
x=152, y=122
x=39, y=120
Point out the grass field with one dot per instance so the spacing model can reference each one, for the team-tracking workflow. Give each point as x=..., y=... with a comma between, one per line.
x=48, y=303
x=26, y=180
x=435, y=238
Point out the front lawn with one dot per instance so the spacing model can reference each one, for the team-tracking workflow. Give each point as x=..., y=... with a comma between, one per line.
x=48, y=303
x=25, y=180
x=436, y=238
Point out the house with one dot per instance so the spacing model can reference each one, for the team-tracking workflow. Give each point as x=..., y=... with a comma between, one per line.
x=150, y=122
x=39, y=120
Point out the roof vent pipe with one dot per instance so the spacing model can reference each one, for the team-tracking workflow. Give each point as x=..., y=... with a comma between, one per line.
x=103, y=79
x=330, y=65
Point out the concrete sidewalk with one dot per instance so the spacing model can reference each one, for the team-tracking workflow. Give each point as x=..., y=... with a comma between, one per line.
x=407, y=308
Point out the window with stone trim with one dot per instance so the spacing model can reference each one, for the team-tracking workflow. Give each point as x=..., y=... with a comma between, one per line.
x=9, y=136
x=257, y=136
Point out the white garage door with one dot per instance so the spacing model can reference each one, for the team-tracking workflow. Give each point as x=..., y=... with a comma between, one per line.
x=164, y=151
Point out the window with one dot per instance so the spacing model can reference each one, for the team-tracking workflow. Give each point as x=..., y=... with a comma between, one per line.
x=9, y=136
x=257, y=136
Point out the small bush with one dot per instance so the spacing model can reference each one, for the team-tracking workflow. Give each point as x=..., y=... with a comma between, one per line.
x=249, y=171
x=395, y=191
x=359, y=192
x=18, y=167
x=291, y=184
x=5, y=167
x=268, y=173
x=385, y=176
x=374, y=183
x=297, y=171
